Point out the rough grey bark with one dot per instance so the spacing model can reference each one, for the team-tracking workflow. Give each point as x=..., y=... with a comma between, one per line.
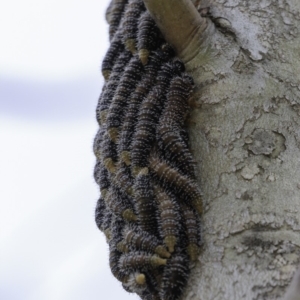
x=245, y=136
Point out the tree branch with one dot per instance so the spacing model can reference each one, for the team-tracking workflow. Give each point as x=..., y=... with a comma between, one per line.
x=180, y=23
x=293, y=292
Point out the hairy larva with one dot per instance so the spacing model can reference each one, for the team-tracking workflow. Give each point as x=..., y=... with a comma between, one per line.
x=109, y=153
x=100, y=213
x=140, y=261
x=120, y=204
x=102, y=178
x=123, y=179
x=168, y=219
x=131, y=76
x=106, y=224
x=149, y=114
x=116, y=47
x=175, y=277
x=144, y=204
x=191, y=224
x=143, y=87
x=132, y=13
x=136, y=283
x=171, y=178
x=114, y=14
x=97, y=142
x=170, y=128
x=149, y=36
x=141, y=240
x=114, y=262
x=111, y=86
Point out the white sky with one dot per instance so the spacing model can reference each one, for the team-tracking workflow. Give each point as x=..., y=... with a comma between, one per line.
x=50, y=248
x=52, y=38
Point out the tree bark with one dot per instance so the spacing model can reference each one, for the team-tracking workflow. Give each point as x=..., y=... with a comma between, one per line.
x=245, y=136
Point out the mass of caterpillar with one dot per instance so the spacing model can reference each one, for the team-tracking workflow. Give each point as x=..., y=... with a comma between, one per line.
x=150, y=205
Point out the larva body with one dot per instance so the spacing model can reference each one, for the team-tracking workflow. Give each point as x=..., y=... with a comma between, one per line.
x=149, y=37
x=149, y=114
x=109, y=153
x=120, y=204
x=126, y=86
x=140, y=240
x=172, y=179
x=141, y=91
x=123, y=179
x=175, y=277
x=132, y=13
x=116, y=47
x=144, y=204
x=111, y=86
x=100, y=213
x=169, y=219
x=114, y=14
x=102, y=178
x=140, y=261
x=191, y=223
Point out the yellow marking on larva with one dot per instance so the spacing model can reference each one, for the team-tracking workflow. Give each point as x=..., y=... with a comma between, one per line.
x=113, y=133
x=162, y=252
x=144, y=55
x=126, y=158
x=130, y=45
x=170, y=242
x=110, y=165
x=129, y=215
x=140, y=279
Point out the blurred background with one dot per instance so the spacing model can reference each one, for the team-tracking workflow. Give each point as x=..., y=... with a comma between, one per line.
x=50, y=57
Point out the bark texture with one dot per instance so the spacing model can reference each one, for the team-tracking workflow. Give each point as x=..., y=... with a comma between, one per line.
x=245, y=137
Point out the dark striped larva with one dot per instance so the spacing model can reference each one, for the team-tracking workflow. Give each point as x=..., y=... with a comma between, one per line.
x=114, y=14
x=106, y=224
x=140, y=261
x=116, y=47
x=149, y=36
x=175, y=277
x=144, y=204
x=136, y=283
x=123, y=179
x=127, y=84
x=120, y=204
x=109, y=153
x=141, y=240
x=171, y=178
x=114, y=262
x=136, y=98
x=97, y=142
x=174, y=149
x=100, y=213
x=169, y=219
x=191, y=224
x=132, y=13
x=149, y=114
x=111, y=86
x=102, y=178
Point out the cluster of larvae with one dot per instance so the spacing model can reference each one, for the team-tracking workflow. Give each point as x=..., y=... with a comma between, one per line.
x=150, y=205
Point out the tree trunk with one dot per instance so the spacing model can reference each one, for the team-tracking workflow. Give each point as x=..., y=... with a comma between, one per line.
x=245, y=136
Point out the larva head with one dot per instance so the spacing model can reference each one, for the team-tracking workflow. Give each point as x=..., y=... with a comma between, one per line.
x=140, y=278
x=156, y=261
x=178, y=66
x=170, y=242
x=126, y=157
x=193, y=251
x=144, y=55
x=129, y=215
x=162, y=252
